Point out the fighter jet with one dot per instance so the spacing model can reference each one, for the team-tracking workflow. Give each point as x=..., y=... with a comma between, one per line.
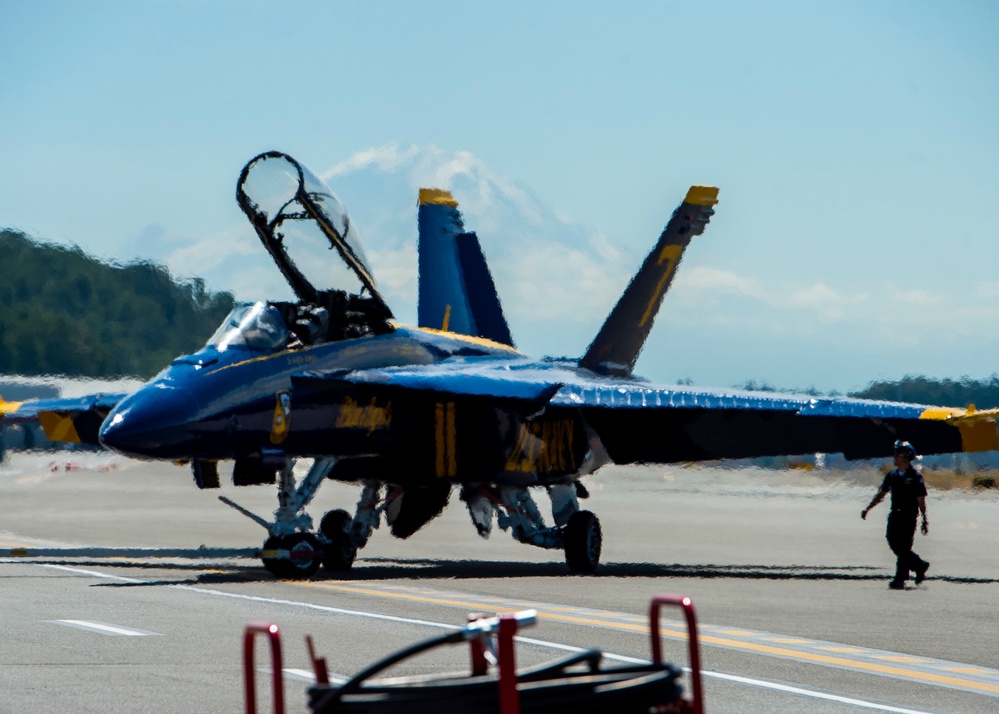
x=414, y=413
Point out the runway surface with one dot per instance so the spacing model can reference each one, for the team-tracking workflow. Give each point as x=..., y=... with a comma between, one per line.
x=790, y=587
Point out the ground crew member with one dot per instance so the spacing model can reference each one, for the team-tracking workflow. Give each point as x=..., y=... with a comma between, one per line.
x=908, y=496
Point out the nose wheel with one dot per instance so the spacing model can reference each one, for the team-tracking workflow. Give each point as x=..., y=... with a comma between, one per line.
x=294, y=556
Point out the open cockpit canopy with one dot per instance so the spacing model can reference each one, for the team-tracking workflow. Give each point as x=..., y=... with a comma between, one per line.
x=300, y=223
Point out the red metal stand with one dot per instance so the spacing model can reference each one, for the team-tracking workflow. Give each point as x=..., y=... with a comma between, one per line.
x=684, y=602
x=274, y=635
x=508, y=695
x=477, y=652
x=318, y=663
x=478, y=632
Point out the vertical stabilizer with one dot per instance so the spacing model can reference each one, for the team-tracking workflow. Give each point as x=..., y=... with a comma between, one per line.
x=483, y=298
x=442, y=303
x=616, y=347
x=456, y=290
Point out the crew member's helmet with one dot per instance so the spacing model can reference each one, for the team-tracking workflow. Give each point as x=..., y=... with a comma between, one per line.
x=905, y=449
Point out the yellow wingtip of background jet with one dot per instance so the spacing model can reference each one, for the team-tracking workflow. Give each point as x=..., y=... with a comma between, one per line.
x=8, y=407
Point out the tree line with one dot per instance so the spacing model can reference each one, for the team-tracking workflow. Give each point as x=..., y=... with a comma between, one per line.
x=983, y=393
x=63, y=312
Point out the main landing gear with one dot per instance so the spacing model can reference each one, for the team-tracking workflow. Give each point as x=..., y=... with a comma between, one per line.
x=575, y=531
x=293, y=549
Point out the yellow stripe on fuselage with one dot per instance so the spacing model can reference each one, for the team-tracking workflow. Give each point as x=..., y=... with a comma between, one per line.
x=445, y=439
x=307, y=357
x=471, y=339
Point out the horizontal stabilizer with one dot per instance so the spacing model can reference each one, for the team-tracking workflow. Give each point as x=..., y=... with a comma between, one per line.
x=616, y=347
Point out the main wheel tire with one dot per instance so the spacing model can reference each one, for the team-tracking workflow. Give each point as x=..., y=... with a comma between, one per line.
x=340, y=553
x=583, y=540
x=305, y=553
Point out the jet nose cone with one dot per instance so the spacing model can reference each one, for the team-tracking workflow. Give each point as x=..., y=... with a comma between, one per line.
x=153, y=423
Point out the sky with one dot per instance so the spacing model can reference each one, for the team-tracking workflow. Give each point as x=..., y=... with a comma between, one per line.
x=855, y=145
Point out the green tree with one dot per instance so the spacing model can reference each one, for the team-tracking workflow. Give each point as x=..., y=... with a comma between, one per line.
x=64, y=312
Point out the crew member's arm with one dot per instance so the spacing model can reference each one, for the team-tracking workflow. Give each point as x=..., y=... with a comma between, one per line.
x=922, y=509
x=875, y=501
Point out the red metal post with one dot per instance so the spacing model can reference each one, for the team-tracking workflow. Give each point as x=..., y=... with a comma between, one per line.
x=274, y=635
x=693, y=645
x=477, y=651
x=318, y=663
x=508, y=695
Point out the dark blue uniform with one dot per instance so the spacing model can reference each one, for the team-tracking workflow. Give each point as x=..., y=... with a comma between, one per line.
x=906, y=488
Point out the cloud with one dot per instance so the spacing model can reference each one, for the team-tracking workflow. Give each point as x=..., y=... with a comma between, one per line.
x=385, y=158
x=987, y=291
x=820, y=299
x=202, y=254
x=917, y=298
x=701, y=285
x=545, y=281
x=697, y=281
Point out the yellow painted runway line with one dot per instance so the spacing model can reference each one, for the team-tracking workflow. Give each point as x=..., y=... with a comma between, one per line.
x=923, y=669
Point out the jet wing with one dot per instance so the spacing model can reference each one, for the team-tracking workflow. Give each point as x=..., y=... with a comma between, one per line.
x=650, y=423
x=642, y=422
x=73, y=420
x=459, y=377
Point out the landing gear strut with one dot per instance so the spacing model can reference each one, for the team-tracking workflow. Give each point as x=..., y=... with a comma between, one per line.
x=292, y=550
x=576, y=532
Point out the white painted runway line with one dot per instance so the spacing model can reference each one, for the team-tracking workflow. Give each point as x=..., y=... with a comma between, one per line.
x=303, y=674
x=104, y=628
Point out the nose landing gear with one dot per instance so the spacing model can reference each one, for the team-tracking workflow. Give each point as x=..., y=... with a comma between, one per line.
x=294, y=556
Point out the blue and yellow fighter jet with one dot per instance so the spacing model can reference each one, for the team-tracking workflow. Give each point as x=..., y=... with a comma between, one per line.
x=411, y=413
